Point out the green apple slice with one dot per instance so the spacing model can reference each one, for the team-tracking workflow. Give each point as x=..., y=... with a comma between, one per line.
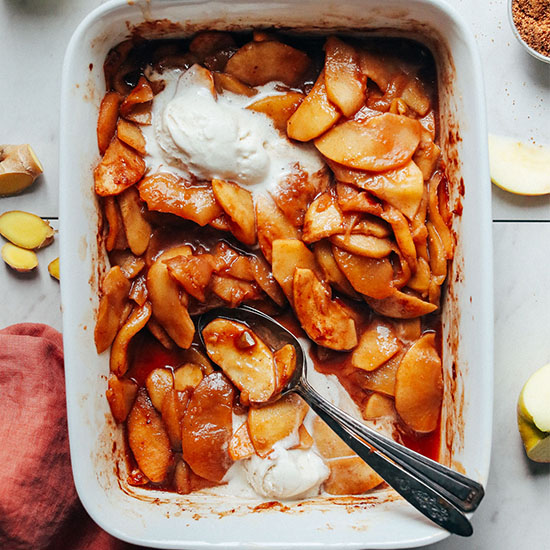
x=520, y=168
x=534, y=415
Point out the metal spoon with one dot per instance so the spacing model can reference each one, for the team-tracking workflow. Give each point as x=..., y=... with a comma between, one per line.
x=438, y=492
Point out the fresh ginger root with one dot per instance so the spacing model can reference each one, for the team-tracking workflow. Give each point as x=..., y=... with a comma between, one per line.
x=53, y=268
x=25, y=230
x=20, y=259
x=19, y=167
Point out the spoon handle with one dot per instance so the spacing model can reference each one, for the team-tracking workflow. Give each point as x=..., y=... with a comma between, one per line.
x=423, y=494
x=463, y=492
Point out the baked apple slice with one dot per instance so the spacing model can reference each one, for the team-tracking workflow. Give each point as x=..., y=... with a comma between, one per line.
x=192, y=272
x=227, y=82
x=350, y=476
x=243, y=356
x=345, y=83
x=187, y=377
x=279, y=108
x=331, y=271
x=400, y=305
x=285, y=365
x=269, y=424
x=383, y=142
x=239, y=206
x=164, y=192
x=148, y=439
x=325, y=321
x=377, y=345
x=120, y=168
x=288, y=254
x=258, y=63
x=168, y=308
x=208, y=426
x=240, y=446
x=121, y=393
x=130, y=133
x=323, y=219
x=419, y=386
x=265, y=280
x=379, y=406
x=107, y=120
x=158, y=383
x=315, y=115
x=272, y=224
x=363, y=245
x=368, y=276
x=136, y=226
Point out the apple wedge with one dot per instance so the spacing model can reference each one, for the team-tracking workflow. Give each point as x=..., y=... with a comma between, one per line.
x=208, y=426
x=240, y=446
x=344, y=81
x=272, y=224
x=518, y=167
x=363, y=245
x=382, y=379
x=121, y=393
x=273, y=422
x=323, y=219
x=107, y=120
x=331, y=271
x=379, y=406
x=258, y=63
x=325, y=321
x=158, y=383
x=400, y=305
x=368, y=276
x=164, y=192
x=376, y=345
x=237, y=203
x=265, y=280
x=315, y=115
x=380, y=143
x=192, y=272
x=285, y=365
x=350, y=476
x=289, y=254
x=148, y=439
x=243, y=357
x=352, y=199
x=187, y=377
x=419, y=386
x=534, y=415
x=279, y=108
x=229, y=83
x=119, y=169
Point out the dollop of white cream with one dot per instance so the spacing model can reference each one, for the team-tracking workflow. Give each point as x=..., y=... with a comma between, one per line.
x=198, y=133
x=287, y=474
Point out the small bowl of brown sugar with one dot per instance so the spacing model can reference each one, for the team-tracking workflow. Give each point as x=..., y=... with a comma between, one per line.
x=530, y=20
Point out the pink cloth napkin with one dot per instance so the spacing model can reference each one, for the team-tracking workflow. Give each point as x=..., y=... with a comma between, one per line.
x=39, y=507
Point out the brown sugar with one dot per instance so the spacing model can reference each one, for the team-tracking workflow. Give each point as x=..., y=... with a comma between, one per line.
x=532, y=20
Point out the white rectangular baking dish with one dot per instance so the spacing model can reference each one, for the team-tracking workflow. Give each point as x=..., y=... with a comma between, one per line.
x=209, y=521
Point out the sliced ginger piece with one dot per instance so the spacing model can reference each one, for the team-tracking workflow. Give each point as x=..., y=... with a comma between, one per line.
x=377, y=345
x=258, y=63
x=279, y=108
x=148, y=439
x=25, y=230
x=20, y=259
x=345, y=83
x=325, y=321
x=383, y=142
x=53, y=268
x=419, y=386
x=19, y=167
x=243, y=356
x=240, y=446
x=269, y=424
x=315, y=115
x=121, y=393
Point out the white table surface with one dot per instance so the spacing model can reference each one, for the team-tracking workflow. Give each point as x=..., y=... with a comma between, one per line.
x=516, y=511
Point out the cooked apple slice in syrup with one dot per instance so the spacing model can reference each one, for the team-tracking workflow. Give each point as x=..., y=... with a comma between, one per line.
x=271, y=423
x=279, y=108
x=326, y=322
x=400, y=305
x=243, y=357
x=207, y=427
x=419, y=386
x=379, y=143
x=377, y=345
x=323, y=219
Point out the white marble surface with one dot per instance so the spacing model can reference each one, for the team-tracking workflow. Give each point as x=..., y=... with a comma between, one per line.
x=516, y=511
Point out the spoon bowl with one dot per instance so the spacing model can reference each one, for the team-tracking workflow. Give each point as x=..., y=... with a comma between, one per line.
x=438, y=492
